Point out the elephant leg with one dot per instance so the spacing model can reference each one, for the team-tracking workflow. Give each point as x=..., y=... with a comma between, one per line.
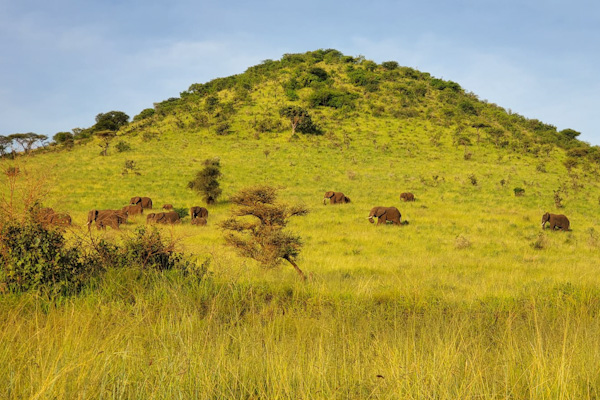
x=381, y=220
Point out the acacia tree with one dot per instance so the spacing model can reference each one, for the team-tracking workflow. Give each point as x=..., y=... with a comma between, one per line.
x=27, y=140
x=206, y=182
x=256, y=227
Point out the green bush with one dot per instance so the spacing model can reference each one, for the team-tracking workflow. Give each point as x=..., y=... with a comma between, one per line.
x=33, y=258
x=332, y=98
x=122, y=146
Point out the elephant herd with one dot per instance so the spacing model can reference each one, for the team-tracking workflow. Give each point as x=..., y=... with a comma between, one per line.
x=137, y=205
x=199, y=215
x=383, y=214
x=392, y=214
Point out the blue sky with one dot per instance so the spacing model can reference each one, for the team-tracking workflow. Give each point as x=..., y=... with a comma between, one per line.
x=64, y=61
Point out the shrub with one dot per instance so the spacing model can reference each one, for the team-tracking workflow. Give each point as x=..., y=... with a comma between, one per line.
x=122, y=146
x=181, y=211
x=519, y=191
x=390, y=65
x=146, y=113
x=33, y=258
x=332, y=98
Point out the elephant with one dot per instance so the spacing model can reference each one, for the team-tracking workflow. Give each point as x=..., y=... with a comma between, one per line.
x=133, y=210
x=385, y=214
x=60, y=219
x=146, y=202
x=556, y=221
x=199, y=221
x=196, y=212
x=150, y=217
x=95, y=215
x=44, y=215
x=112, y=220
x=170, y=217
x=167, y=206
x=335, y=198
x=407, y=196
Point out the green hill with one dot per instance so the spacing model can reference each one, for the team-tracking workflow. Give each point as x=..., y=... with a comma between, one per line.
x=471, y=297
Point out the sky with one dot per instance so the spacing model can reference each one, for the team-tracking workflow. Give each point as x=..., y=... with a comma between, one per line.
x=62, y=62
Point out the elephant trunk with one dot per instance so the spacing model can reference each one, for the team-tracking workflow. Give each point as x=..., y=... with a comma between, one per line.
x=324, y=200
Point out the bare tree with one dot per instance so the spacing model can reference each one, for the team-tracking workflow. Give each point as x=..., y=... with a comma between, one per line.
x=262, y=236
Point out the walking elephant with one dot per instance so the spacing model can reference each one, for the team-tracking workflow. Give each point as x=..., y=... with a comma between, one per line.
x=335, y=198
x=146, y=202
x=198, y=212
x=199, y=221
x=407, y=196
x=133, y=210
x=95, y=215
x=167, y=218
x=385, y=214
x=559, y=221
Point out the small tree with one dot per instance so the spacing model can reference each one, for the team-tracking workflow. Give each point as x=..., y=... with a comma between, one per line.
x=5, y=144
x=105, y=138
x=206, y=181
x=65, y=138
x=256, y=227
x=299, y=119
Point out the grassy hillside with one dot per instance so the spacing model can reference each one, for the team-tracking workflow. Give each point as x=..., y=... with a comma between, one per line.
x=470, y=299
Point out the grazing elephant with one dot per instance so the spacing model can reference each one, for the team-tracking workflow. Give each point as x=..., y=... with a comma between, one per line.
x=385, y=214
x=407, y=196
x=335, y=198
x=199, y=221
x=196, y=212
x=146, y=202
x=556, y=221
x=150, y=218
x=112, y=220
x=95, y=215
x=170, y=217
x=133, y=210
x=167, y=206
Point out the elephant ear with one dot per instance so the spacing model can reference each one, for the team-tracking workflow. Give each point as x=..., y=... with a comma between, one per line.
x=380, y=211
x=329, y=194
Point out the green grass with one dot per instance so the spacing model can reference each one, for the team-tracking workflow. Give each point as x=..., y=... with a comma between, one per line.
x=471, y=299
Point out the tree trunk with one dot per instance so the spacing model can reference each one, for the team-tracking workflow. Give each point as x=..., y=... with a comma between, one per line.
x=298, y=270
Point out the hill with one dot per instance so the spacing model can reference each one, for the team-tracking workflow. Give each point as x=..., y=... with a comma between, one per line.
x=470, y=298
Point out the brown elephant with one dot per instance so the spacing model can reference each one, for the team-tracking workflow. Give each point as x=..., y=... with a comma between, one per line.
x=146, y=202
x=167, y=206
x=335, y=198
x=95, y=215
x=150, y=218
x=198, y=212
x=556, y=221
x=170, y=217
x=133, y=210
x=407, y=196
x=113, y=220
x=58, y=219
x=385, y=214
x=199, y=221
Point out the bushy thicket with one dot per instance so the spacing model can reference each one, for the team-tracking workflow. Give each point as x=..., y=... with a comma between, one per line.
x=36, y=258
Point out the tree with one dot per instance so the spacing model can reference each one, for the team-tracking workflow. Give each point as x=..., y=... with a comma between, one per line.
x=299, y=119
x=63, y=138
x=5, y=144
x=27, y=140
x=106, y=137
x=111, y=121
x=262, y=237
x=478, y=125
x=206, y=181
x=570, y=133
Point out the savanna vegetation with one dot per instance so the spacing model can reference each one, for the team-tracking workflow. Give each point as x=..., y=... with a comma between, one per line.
x=471, y=299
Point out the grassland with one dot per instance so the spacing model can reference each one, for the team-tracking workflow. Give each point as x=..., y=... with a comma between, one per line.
x=471, y=299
